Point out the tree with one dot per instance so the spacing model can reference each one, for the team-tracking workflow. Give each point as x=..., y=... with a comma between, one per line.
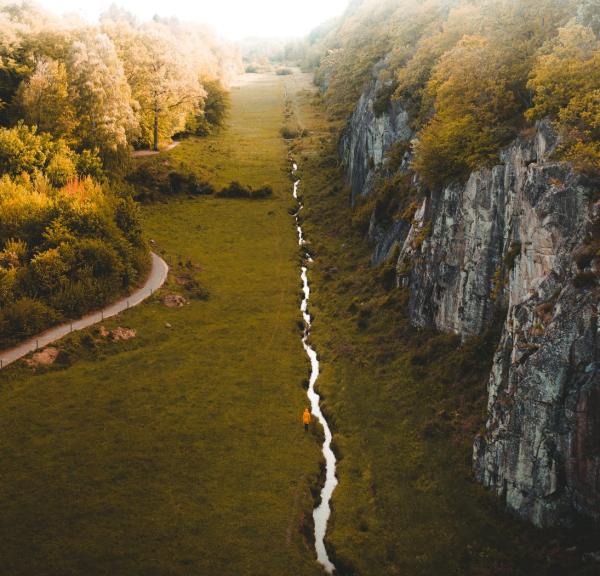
x=213, y=109
x=44, y=98
x=101, y=96
x=566, y=86
x=168, y=88
x=475, y=112
x=24, y=151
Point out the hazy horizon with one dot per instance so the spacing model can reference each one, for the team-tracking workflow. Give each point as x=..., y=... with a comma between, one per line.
x=260, y=19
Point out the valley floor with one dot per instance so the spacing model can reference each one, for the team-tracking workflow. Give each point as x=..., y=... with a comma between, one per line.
x=180, y=451
x=404, y=406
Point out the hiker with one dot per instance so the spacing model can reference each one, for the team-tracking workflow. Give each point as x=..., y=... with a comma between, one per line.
x=306, y=419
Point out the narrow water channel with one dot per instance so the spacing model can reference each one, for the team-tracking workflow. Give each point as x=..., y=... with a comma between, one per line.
x=322, y=511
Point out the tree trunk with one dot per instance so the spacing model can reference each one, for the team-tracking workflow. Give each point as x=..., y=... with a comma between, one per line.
x=155, y=144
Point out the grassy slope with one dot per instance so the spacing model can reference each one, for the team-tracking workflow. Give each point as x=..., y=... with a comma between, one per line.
x=404, y=405
x=179, y=452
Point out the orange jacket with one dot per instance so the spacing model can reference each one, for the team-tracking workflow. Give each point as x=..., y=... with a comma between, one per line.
x=306, y=417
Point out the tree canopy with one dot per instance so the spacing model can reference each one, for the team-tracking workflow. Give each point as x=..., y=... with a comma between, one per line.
x=74, y=100
x=110, y=86
x=471, y=73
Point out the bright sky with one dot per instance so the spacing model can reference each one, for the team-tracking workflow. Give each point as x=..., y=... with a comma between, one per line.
x=233, y=19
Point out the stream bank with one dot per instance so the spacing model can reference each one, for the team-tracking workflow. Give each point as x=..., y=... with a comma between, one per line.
x=323, y=510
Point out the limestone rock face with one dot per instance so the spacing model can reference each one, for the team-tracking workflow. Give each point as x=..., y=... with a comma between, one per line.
x=362, y=147
x=368, y=137
x=494, y=241
x=503, y=248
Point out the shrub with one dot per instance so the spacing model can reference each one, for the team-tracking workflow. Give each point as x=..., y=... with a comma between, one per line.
x=237, y=190
x=25, y=317
x=283, y=71
x=383, y=99
x=89, y=163
x=396, y=153
x=585, y=255
x=152, y=179
x=289, y=133
x=585, y=280
x=264, y=192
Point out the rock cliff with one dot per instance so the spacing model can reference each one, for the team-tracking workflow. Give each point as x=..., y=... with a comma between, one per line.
x=519, y=242
x=362, y=147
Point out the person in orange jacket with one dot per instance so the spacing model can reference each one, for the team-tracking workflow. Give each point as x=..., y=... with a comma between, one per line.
x=306, y=419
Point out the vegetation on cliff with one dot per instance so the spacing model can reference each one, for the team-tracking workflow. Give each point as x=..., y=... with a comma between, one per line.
x=471, y=74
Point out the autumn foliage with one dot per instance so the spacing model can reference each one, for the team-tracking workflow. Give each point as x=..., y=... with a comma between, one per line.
x=472, y=74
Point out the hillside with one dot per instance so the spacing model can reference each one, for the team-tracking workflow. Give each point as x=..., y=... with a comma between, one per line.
x=468, y=138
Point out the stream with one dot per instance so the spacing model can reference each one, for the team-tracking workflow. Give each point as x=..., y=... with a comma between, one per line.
x=322, y=511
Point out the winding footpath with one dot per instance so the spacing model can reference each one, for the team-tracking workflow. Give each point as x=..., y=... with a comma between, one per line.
x=322, y=512
x=156, y=278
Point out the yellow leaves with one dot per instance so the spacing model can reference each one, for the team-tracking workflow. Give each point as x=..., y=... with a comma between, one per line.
x=583, y=114
x=474, y=112
x=13, y=254
x=566, y=83
x=82, y=196
x=585, y=157
x=570, y=68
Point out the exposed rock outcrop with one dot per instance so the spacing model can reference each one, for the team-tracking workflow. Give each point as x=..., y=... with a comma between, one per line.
x=507, y=242
x=368, y=136
x=44, y=357
x=363, y=145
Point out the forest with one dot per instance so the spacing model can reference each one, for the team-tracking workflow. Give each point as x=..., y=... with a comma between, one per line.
x=75, y=100
x=472, y=74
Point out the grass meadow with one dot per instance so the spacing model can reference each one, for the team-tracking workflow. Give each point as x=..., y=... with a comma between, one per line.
x=181, y=451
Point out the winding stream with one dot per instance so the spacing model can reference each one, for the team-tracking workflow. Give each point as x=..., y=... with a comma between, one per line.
x=322, y=511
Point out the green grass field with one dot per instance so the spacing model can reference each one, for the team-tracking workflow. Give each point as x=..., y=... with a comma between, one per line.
x=180, y=451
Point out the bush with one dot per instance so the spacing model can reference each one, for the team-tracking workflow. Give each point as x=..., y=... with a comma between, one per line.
x=237, y=190
x=23, y=318
x=283, y=71
x=153, y=179
x=383, y=99
x=188, y=183
x=264, y=192
x=585, y=280
x=289, y=133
